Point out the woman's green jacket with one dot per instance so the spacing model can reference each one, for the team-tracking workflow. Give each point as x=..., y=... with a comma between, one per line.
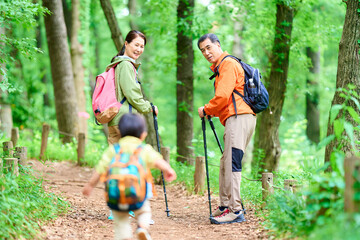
x=127, y=86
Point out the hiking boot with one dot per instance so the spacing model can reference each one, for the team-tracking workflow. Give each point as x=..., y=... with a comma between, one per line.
x=228, y=217
x=111, y=217
x=142, y=234
x=132, y=214
x=218, y=211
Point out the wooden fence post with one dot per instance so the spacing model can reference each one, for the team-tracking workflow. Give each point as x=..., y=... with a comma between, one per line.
x=11, y=165
x=14, y=135
x=267, y=185
x=44, y=139
x=289, y=185
x=165, y=152
x=8, y=149
x=352, y=176
x=81, y=148
x=199, y=175
x=21, y=154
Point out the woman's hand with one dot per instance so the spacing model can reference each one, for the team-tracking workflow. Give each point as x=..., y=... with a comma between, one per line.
x=156, y=110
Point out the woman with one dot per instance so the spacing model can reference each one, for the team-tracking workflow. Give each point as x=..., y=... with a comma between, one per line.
x=128, y=89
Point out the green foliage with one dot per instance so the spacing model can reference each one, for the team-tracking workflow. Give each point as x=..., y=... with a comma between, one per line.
x=321, y=204
x=24, y=204
x=19, y=12
x=57, y=151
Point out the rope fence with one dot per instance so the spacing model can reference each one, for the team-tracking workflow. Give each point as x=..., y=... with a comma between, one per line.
x=14, y=156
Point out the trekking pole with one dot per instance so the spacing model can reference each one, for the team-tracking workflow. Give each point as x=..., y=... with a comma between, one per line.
x=206, y=162
x=158, y=145
x=216, y=136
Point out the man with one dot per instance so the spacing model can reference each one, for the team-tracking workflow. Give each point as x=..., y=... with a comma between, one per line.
x=239, y=121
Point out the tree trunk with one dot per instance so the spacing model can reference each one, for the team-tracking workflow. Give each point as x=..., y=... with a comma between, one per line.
x=268, y=121
x=185, y=83
x=347, y=73
x=238, y=46
x=312, y=97
x=77, y=66
x=113, y=24
x=67, y=18
x=62, y=74
x=132, y=14
x=39, y=44
x=6, y=122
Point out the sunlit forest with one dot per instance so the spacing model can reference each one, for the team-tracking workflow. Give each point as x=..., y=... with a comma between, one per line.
x=307, y=51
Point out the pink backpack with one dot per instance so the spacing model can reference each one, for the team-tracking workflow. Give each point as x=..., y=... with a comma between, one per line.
x=104, y=103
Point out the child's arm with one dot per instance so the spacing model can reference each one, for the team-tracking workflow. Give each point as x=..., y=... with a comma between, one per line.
x=91, y=184
x=169, y=173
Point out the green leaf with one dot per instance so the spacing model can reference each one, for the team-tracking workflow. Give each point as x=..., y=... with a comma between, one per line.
x=350, y=132
x=334, y=112
x=338, y=128
x=356, y=102
x=353, y=114
x=325, y=141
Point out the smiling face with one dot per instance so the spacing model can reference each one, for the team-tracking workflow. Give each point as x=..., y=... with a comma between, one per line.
x=211, y=51
x=135, y=48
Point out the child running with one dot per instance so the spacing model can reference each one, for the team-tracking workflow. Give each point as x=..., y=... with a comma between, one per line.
x=133, y=131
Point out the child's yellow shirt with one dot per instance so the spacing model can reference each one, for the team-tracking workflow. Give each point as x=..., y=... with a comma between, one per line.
x=128, y=144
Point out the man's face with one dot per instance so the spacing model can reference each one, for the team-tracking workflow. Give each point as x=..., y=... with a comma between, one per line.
x=211, y=51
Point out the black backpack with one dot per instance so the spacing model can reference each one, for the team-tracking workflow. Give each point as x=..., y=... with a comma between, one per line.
x=255, y=93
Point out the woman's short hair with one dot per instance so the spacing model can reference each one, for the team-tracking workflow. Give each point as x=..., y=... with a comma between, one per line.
x=213, y=38
x=132, y=124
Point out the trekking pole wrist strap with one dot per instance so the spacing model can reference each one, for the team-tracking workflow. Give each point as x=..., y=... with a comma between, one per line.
x=204, y=112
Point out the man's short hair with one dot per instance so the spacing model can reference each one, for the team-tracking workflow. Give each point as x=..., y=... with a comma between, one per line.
x=132, y=124
x=213, y=38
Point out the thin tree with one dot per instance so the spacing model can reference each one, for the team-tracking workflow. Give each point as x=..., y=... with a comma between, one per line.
x=39, y=44
x=312, y=96
x=185, y=81
x=6, y=122
x=267, y=131
x=61, y=70
x=113, y=24
x=348, y=72
x=77, y=65
x=132, y=14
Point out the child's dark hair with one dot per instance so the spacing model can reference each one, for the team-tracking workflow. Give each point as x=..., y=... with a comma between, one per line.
x=132, y=124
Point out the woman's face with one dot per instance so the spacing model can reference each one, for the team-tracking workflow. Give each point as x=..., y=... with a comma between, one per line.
x=135, y=48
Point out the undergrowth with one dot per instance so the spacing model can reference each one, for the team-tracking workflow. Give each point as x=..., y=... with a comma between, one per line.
x=24, y=205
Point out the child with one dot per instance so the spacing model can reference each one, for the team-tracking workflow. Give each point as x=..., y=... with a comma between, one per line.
x=133, y=131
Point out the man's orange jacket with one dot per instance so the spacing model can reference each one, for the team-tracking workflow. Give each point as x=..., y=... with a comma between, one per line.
x=231, y=76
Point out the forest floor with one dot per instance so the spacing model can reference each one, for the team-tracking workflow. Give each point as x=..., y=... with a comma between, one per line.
x=88, y=217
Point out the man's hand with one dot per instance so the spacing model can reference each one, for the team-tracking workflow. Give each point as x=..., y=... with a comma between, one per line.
x=201, y=112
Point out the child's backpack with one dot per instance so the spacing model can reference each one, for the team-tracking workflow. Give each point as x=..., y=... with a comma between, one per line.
x=255, y=93
x=126, y=180
x=104, y=103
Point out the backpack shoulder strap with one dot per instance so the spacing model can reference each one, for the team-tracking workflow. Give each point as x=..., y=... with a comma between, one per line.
x=138, y=149
x=216, y=70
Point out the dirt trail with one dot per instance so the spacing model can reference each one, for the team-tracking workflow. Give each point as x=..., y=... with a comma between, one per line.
x=87, y=218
